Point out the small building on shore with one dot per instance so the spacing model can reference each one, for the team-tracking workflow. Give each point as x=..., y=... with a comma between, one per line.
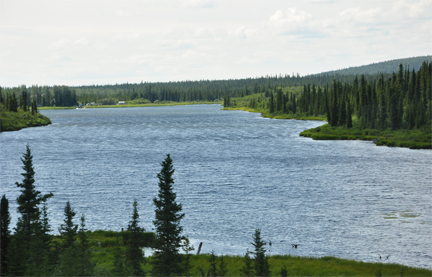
x=121, y=103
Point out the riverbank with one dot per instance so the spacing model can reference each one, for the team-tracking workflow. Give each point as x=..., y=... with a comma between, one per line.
x=266, y=114
x=134, y=105
x=413, y=139
x=112, y=243
x=14, y=121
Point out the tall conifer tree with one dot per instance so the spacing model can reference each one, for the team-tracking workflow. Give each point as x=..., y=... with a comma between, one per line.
x=134, y=253
x=262, y=267
x=5, y=233
x=166, y=259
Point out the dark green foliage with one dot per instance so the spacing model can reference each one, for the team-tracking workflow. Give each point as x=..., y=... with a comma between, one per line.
x=261, y=264
x=284, y=271
x=85, y=263
x=29, y=199
x=24, y=101
x=5, y=235
x=222, y=271
x=29, y=240
x=271, y=104
x=68, y=230
x=166, y=260
x=119, y=267
x=76, y=259
x=380, y=67
x=134, y=253
x=213, y=265
x=247, y=269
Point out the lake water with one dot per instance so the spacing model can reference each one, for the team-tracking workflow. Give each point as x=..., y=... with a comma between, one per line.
x=235, y=172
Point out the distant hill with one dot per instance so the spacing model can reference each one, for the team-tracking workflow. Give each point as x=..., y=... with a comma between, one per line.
x=381, y=67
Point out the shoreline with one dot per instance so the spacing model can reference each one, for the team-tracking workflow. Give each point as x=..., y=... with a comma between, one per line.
x=132, y=105
x=412, y=139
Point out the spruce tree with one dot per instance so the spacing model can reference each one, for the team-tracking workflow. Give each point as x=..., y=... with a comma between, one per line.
x=166, y=259
x=85, y=262
x=271, y=104
x=27, y=233
x=30, y=198
x=247, y=268
x=349, y=115
x=262, y=267
x=68, y=230
x=5, y=235
x=134, y=253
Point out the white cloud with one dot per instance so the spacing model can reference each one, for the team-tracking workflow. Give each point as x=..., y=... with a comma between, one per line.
x=290, y=20
x=61, y=44
x=81, y=42
x=192, y=54
x=121, y=13
x=198, y=3
x=362, y=16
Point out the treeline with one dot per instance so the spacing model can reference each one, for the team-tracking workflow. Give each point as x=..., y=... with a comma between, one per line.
x=185, y=91
x=381, y=67
x=11, y=104
x=401, y=100
x=60, y=96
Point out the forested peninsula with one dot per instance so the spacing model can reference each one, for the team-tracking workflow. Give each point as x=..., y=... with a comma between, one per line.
x=388, y=102
x=392, y=110
x=14, y=117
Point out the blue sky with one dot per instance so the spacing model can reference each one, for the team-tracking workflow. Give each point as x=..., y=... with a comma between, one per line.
x=107, y=42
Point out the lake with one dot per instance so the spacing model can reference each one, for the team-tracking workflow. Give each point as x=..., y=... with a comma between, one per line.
x=234, y=172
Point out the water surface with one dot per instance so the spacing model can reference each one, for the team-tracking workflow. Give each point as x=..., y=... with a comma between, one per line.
x=235, y=172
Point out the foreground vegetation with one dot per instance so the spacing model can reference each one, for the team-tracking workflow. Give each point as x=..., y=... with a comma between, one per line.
x=112, y=243
x=14, y=121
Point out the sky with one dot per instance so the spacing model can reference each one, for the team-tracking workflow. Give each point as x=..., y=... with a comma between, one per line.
x=107, y=42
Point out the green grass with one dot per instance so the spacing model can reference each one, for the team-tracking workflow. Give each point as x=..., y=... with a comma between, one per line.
x=14, y=121
x=112, y=242
x=297, y=266
x=266, y=114
x=413, y=139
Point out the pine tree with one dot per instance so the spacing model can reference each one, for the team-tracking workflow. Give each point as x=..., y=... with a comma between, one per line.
x=40, y=262
x=5, y=235
x=262, y=267
x=222, y=271
x=134, y=253
x=349, y=115
x=247, y=269
x=68, y=230
x=271, y=104
x=85, y=255
x=166, y=259
x=29, y=224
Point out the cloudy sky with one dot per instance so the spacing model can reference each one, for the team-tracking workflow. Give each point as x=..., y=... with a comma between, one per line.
x=107, y=42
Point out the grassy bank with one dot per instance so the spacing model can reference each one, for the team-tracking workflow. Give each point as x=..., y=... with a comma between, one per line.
x=14, y=121
x=113, y=242
x=413, y=139
x=266, y=114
